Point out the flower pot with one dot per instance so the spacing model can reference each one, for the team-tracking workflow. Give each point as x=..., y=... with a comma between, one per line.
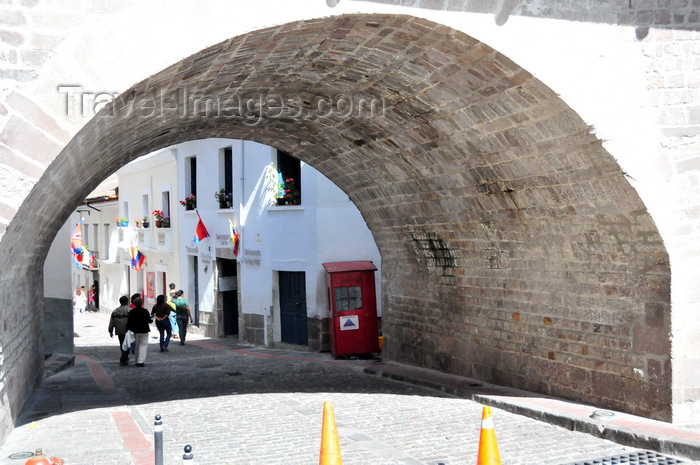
x=146, y=224
x=159, y=224
x=281, y=200
x=124, y=224
x=166, y=222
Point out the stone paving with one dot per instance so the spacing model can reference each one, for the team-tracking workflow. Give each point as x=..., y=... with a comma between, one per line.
x=238, y=404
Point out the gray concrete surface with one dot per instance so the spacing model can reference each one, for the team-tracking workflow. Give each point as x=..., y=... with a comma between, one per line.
x=237, y=404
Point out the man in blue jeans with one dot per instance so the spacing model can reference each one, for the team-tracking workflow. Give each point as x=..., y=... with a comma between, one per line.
x=183, y=315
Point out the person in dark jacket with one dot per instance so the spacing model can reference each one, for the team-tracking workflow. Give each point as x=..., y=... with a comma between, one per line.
x=139, y=322
x=182, y=309
x=117, y=324
x=161, y=312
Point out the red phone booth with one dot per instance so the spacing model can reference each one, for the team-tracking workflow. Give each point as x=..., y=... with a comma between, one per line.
x=353, y=305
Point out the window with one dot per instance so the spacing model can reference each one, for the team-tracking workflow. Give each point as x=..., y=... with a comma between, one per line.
x=85, y=230
x=145, y=208
x=95, y=246
x=106, y=232
x=347, y=298
x=125, y=210
x=290, y=168
x=165, y=207
x=191, y=176
x=224, y=194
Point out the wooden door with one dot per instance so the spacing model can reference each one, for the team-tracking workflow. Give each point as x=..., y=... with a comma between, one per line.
x=292, y=285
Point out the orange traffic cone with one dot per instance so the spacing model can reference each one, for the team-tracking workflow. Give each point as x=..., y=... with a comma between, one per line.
x=488, y=447
x=330, y=447
x=40, y=459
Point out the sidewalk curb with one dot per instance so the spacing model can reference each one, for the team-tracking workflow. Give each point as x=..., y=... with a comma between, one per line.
x=506, y=399
x=56, y=363
x=615, y=433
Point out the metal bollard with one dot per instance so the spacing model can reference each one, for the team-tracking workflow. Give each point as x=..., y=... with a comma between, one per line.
x=158, y=440
x=187, y=458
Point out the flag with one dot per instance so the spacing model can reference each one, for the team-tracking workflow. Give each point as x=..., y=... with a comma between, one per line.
x=76, y=239
x=280, y=185
x=86, y=257
x=200, y=233
x=137, y=258
x=235, y=237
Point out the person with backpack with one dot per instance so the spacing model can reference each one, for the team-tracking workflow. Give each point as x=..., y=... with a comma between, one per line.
x=183, y=315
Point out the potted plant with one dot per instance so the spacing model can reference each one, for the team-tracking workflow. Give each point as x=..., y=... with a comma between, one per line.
x=146, y=223
x=118, y=221
x=166, y=221
x=190, y=202
x=158, y=215
x=224, y=198
x=275, y=184
x=291, y=193
x=124, y=222
x=138, y=223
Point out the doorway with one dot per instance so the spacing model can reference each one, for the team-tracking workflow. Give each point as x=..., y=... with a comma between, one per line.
x=228, y=287
x=292, y=288
x=194, y=303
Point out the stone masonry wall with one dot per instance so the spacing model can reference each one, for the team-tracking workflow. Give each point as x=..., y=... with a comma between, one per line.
x=514, y=247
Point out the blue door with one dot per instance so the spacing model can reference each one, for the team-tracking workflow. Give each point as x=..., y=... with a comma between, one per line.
x=292, y=285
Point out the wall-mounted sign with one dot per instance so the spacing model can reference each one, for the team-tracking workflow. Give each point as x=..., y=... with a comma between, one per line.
x=349, y=322
x=228, y=283
x=251, y=257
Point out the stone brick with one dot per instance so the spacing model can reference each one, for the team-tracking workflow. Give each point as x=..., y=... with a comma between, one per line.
x=513, y=250
x=11, y=37
x=28, y=140
x=29, y=110
x=9, y=17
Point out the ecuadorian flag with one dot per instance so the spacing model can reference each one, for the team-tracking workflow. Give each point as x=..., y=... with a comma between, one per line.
x=235, y=237
x=137, y=258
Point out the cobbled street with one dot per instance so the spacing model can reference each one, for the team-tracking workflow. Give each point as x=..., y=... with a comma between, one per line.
x=238, y=404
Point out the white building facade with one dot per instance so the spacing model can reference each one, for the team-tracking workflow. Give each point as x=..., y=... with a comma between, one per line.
x=98, y=236
x=274, y=291
x=145, y=186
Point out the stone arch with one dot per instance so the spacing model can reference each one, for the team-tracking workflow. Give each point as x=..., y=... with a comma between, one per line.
x=514, y=250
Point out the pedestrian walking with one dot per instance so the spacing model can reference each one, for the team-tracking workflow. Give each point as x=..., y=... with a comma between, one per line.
x=139, y=323
x=133, y=297
x=79, y=300
x=117, y=324
x=173, y=315
x=91, y=299
x=161, y=313
x=183, y=315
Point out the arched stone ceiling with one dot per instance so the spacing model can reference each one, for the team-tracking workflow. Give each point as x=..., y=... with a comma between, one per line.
x=513, y=248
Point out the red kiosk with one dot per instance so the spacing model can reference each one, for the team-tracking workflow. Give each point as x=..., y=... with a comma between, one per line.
x=353, y=305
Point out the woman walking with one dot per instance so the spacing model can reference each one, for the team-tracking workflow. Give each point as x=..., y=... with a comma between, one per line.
x=161, y=312
x=139, y=322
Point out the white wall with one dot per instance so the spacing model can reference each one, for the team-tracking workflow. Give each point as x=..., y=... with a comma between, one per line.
x=58, y=285
x=325, y=227
x=141, y=187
